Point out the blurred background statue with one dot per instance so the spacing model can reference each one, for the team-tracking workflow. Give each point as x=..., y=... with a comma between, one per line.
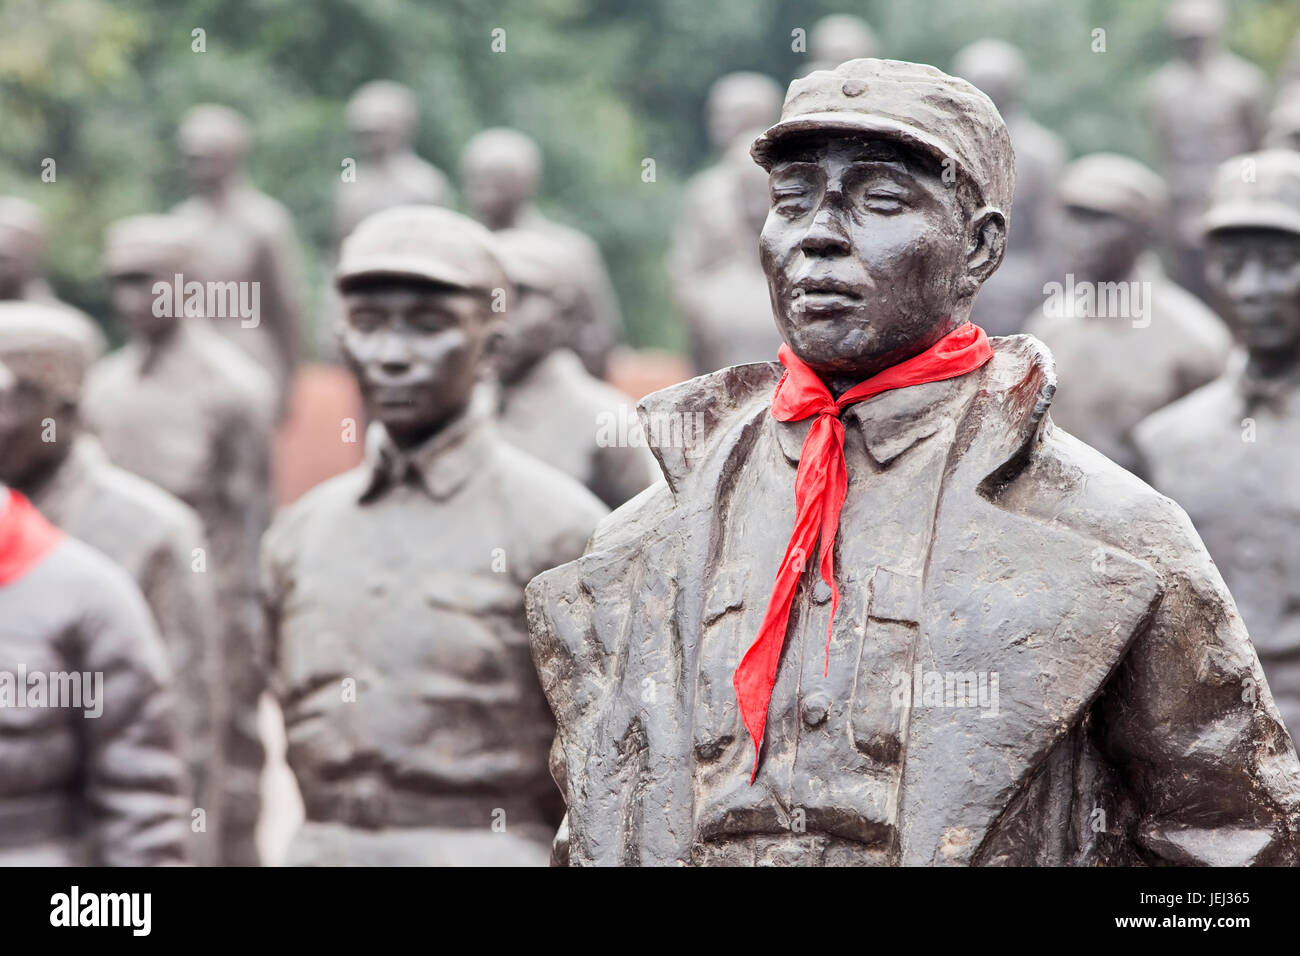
x=1126, y=339
x=727, y=306
x=1204, y=106
x=550, y=405
x=382, y=117
x=1230, y=452
x=184, y=408
x=712, y=229
x=242, y=236
x=416, y=725
x=998, y=68
x=97, y=781
x=501, y=170
x=148, y=533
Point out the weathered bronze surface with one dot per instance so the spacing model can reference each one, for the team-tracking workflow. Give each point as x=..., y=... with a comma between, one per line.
x=1034, y=660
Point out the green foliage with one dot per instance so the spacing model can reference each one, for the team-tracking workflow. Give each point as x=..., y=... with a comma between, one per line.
x=602, y=84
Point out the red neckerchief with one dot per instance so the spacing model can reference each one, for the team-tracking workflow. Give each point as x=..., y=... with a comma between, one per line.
x=25, y=538
x=819, y=488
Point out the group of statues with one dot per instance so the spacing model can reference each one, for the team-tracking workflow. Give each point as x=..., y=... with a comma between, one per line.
x=902, y=596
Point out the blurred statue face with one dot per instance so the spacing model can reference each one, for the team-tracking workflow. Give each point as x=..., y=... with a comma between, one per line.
x=1255, y=274
x=1098, y=246
x=535, y=325
x=866, y=254
x=415, y=348
x=25, y=405
x=1195, y=48
x=209, y=163
x=18, y=261
x=496, y=188
x=133, y=301
x=377, y=140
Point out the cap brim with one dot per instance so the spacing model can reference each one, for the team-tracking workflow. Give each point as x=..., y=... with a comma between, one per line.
x=833, y=121
x=1252, y=215
x=403, y=267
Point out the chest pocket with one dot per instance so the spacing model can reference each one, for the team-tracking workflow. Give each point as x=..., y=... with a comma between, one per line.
x=716, y=717
x=882, y=686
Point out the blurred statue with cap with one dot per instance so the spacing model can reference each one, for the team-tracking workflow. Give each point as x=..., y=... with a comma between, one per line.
x=244, y=243
x=416, y=727
x=882, y=611
x=95, y=777
x=1229, y=453
x=1127, y=340
x=382, y=116
x=1205, y=106
x=184, y=408
x=550, y=405
x=998, y=69
x=154, y=537
x=501, y=171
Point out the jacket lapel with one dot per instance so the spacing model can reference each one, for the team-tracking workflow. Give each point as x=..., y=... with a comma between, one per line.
x=1045, y=610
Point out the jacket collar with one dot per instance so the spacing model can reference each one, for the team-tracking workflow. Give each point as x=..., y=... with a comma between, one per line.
x=443, y=463
x=1017, y=385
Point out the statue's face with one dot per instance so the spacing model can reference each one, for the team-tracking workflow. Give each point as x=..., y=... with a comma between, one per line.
x=1099, y=246
x=209, y=163
x=868, y=253
x=133, y=301
x=377, y=138
x=534, y=326
x=17, y=261
x=496, y=187
x=1255, y=274
x=26, y=409
x=415, y=349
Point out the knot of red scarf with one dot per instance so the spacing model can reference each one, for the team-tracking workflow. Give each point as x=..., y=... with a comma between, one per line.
x=25, y=537
x=819, y=488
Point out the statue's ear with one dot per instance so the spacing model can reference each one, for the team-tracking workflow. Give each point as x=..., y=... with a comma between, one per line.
x=986, y=243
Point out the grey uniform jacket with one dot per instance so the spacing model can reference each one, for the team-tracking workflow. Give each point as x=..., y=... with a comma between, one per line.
x=1127, y=681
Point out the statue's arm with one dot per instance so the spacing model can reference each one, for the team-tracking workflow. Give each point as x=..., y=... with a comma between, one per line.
x=134, y=774
x=1191, y=726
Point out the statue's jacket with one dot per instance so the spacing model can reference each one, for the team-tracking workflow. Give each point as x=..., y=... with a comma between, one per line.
x=1131, y=724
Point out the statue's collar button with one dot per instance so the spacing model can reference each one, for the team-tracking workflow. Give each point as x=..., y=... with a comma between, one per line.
x=854, y=87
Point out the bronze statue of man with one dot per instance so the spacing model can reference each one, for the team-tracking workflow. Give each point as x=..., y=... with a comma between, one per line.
x=185, y=409
x=550, y=406
x=1229, y=453
x=150, y=534
x=1205, y=106
x=90, y=771
x=1127, y=340
x=883, y=611
x=501, y=170
x=395, y=592
x=246, y=255
x=382, y=116
x=998, y=69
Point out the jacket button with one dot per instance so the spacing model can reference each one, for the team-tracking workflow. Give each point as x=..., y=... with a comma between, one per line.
x=821, y=592
x=816, y=707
